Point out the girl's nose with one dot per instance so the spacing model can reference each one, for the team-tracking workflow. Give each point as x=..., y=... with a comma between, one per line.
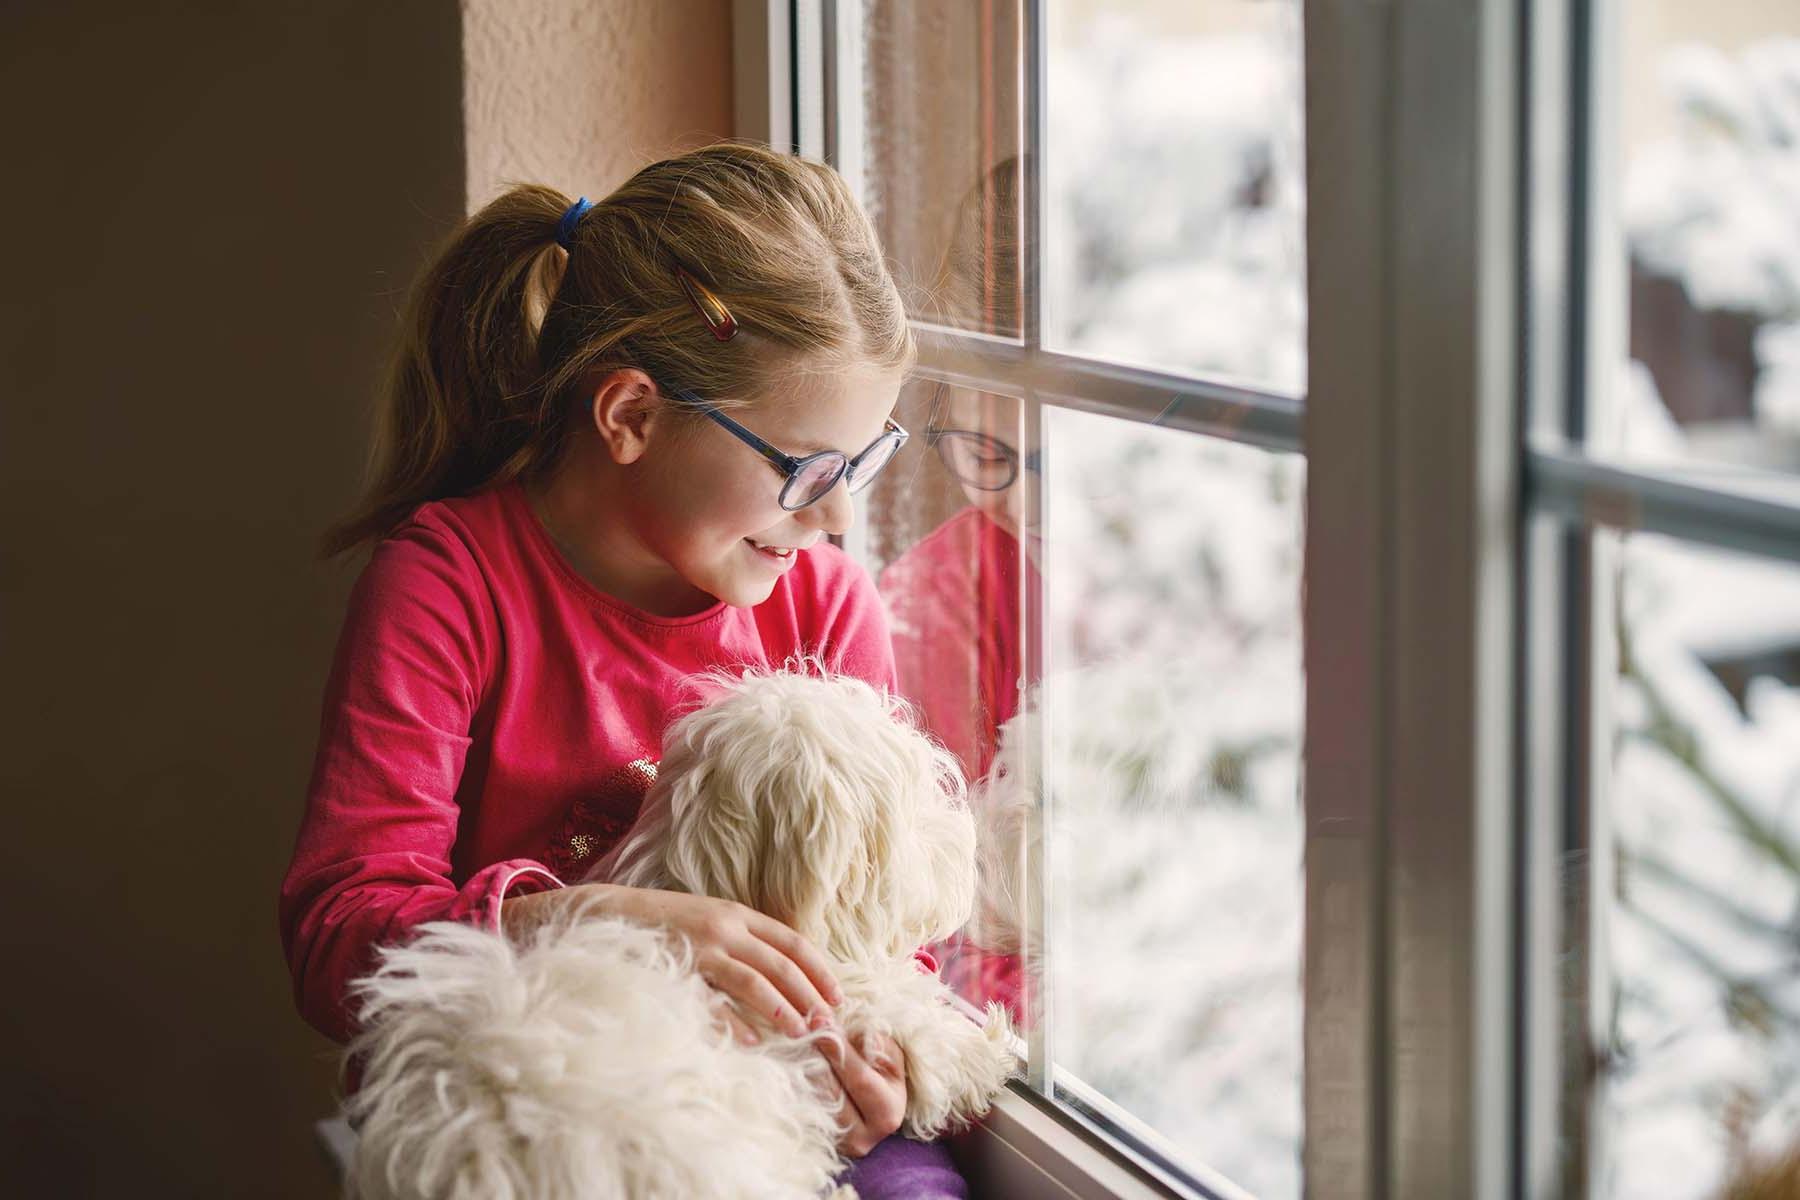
x=833, y=513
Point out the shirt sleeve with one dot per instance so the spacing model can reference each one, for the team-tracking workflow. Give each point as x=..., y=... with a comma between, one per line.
x=372, y=858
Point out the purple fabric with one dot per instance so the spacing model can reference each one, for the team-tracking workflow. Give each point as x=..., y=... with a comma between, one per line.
x=902, y=1169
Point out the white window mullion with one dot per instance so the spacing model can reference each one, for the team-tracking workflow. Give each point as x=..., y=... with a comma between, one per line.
x=1554, y=580
x=1040, y=1068
x=762, y=72
x=1217, y=409
x=1452, y=638
x=1411, y=526
x=846, y=126
x=1347, y=561
x=811, y=87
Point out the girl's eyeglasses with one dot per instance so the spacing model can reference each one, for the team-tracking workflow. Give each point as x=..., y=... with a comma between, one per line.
x=808, y=478
x=811, y=477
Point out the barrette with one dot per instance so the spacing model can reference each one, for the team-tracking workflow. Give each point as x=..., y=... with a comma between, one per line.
x=712, y=310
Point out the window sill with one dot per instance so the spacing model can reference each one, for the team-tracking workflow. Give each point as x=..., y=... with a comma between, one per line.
x=1021, y=1151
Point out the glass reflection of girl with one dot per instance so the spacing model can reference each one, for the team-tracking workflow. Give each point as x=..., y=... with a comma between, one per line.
x=955, y=596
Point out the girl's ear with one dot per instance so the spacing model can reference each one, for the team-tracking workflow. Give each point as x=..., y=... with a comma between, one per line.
x=624, y=409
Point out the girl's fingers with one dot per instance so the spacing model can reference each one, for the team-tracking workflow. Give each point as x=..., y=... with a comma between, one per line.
x=859, y=1141
x=879, y=1100
x=884, y=1055
x=801, y=951
x=858, y=1138
x=787, y=977
x=750, y=988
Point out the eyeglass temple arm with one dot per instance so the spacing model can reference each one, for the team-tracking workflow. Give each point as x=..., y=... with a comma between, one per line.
x=785, y=463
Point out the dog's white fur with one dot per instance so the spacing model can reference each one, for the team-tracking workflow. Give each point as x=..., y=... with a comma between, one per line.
x=589, y=1060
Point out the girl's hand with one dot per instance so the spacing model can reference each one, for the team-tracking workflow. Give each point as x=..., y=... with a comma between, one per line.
x=871, y=1089
x=761, y=964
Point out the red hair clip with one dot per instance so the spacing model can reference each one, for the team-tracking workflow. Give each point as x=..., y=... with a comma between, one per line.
x=712, y=310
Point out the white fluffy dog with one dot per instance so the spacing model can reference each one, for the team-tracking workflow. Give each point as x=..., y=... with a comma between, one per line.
x=589, y=1060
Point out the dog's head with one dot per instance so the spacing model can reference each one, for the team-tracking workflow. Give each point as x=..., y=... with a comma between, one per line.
x=816, y=800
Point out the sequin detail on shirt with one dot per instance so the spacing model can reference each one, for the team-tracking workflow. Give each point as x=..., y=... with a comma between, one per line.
x=596, y=823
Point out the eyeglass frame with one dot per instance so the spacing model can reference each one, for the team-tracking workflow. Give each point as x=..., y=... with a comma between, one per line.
x=935, y=435
x=791, y=466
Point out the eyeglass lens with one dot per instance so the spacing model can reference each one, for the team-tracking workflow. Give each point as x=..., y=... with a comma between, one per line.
x=977, y=459
x=814, y=478
x=871, y=463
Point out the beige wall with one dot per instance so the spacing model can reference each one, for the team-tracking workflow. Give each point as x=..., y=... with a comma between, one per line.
x=212, y=210
x=578, y=94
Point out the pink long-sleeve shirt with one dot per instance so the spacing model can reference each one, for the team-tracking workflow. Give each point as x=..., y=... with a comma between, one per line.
x=492, y=721
x=955, y=602
x=955, y=599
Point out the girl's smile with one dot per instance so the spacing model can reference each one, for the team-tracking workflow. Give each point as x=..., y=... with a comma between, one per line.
x=781, y=556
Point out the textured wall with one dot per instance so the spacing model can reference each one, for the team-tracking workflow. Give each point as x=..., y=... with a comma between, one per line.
x=578, y=94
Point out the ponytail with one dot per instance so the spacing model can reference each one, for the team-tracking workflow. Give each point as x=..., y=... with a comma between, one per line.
x=460, y=400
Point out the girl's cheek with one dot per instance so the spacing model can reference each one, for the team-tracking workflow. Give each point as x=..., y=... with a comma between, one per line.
x=739, y=512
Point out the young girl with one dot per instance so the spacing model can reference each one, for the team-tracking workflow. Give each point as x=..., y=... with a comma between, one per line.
x=615, y=439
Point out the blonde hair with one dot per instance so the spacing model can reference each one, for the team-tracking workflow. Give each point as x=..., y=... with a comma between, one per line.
x=977, y=284
x=504, y=333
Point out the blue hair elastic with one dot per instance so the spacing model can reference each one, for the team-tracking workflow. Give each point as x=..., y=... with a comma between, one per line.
x=565, y=228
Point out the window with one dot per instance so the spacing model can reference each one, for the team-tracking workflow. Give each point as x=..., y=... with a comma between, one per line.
x=1358, y=569
x=1668, y=496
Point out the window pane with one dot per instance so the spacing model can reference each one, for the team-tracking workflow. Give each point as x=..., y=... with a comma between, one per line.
x=1174, y=223
x=941, y=147
x=1702, y=932
x=1709, y=150
x=955, y=546
x=1171, y=713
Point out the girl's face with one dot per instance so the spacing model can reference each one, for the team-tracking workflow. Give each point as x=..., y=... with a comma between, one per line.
x=707, y=505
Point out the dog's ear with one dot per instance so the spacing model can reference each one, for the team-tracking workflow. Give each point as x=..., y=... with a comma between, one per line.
x=910, y=875
x=935, y=898
x=713, y=845
x=749, y=805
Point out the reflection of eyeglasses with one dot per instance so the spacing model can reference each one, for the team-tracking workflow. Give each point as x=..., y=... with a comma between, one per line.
x=810, y=477
x=979, y=459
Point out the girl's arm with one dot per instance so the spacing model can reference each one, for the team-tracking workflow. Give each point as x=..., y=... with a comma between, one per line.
x=372, y=858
